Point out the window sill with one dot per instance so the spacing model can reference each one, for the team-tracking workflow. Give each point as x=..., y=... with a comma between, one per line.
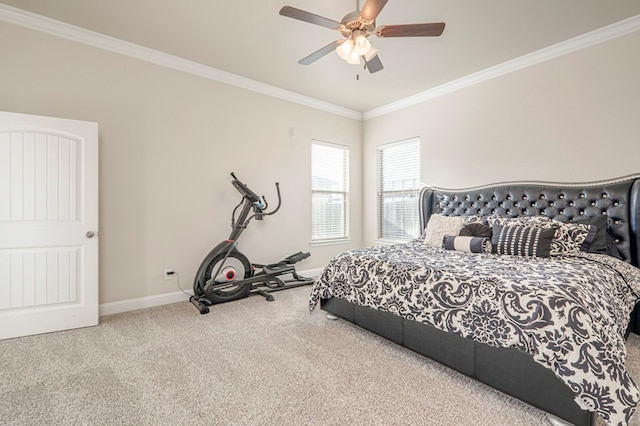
x=332, y=242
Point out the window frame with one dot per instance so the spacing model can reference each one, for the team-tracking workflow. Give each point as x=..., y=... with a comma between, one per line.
x=414, y=191
x=344, y=193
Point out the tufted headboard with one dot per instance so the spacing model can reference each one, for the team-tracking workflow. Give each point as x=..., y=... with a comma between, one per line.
x=619, y=199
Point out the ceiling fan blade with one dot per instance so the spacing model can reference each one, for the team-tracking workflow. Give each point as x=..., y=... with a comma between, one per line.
x=374, y=64
x=371, y=9
x=320, y=53
x=301, y=15
x=411, y=30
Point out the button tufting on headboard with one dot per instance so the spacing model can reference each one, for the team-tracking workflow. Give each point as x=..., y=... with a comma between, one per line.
x=619, y=199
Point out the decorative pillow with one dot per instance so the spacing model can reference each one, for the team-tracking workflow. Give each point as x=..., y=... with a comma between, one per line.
x=593, y=232
x=570, y=237
x=467, y=244
x=520, y=240
x=473, y=219
x=604, y=242
x=537, y=221
x=476, y=230
x=439, y=226
x=599, y=242
x=612, y=248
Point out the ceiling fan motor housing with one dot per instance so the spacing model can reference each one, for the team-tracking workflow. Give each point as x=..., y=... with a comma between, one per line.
x=353, y=21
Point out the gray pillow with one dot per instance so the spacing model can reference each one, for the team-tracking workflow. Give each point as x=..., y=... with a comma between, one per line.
x=599, y=242
x=467, y=244
x=476, y=230
x=522, y=240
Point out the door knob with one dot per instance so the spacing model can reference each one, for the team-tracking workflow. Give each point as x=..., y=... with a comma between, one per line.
x=90, y=234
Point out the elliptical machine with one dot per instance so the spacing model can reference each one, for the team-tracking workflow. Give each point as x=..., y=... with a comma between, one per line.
x=225, y=274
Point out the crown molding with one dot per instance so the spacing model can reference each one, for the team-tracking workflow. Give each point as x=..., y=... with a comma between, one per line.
x=74, y=33
x=591, y=38
x=56, y=28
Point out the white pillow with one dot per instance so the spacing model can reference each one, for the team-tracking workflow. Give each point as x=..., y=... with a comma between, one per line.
x=439, y=226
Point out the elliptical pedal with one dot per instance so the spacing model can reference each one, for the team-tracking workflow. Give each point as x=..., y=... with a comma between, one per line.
x=296, y=257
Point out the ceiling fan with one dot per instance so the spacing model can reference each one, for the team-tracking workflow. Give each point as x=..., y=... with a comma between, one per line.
x=356, y=27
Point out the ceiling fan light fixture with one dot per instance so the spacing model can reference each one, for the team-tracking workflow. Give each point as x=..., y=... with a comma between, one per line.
x=361, y=45
x=354, y=58
x=345, y=49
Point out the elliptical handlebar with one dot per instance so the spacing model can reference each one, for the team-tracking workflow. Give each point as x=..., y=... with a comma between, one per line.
x=260, y=203
x=279, y=201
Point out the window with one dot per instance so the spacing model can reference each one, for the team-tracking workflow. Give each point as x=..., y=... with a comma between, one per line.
x=329, y=192
x=399, y=190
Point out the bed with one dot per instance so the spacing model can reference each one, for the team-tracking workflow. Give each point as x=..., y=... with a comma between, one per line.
x=546, y=326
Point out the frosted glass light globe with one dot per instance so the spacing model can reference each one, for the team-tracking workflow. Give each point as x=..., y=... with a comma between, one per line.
x=345, y=49
x=362, y=45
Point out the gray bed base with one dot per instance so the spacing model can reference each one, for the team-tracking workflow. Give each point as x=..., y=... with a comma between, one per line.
x=510, y=370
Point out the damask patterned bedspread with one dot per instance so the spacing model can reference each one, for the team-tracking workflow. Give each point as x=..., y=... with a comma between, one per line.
x=569, y=312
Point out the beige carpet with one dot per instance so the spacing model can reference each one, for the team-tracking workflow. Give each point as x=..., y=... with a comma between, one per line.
x=248, y=362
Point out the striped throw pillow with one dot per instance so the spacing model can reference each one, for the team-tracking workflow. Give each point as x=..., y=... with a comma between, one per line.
x=467, y=244
x=522, y=240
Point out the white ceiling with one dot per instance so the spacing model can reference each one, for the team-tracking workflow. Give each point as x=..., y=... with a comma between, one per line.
x=250, y=39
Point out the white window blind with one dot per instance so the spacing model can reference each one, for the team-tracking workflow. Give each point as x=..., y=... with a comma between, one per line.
x=329, y=191
x=399, y=190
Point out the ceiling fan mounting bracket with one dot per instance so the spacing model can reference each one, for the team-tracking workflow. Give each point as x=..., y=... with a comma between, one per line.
x=353, y=21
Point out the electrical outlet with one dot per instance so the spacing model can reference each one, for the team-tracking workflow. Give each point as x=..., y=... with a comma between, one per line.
x=169, y=274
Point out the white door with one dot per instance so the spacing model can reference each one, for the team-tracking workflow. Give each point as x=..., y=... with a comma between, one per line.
x=48, y=224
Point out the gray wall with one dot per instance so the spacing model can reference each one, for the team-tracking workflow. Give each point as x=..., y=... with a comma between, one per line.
x=573, y=118
x=168, y=141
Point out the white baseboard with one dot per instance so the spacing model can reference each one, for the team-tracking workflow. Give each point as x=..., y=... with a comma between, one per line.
x=164, y=299
x=142, y=303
